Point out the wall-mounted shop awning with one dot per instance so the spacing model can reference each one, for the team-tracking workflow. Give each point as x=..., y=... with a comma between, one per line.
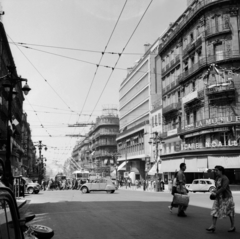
x=121, y=166
x=191, y=164
x=153, y=170
x=170, y=165
x=225, y=161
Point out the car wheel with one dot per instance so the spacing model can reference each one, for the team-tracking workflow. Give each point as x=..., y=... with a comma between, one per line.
x=84, y=190
x=42, y=232
x=30, y=190
x=112, y=191
x=211, y=189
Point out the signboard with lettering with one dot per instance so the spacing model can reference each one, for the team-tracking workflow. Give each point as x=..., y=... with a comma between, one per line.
x=213, y=144
x=213, y=121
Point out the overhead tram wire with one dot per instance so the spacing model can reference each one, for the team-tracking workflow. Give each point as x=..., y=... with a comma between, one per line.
x=40, y=120
x=75, y=49
x=94, y=76
x=44, y=80
x=120, y=56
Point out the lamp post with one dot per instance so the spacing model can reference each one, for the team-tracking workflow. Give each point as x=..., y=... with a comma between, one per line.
x=156, y=140
x=9, y=86
x=40, y=146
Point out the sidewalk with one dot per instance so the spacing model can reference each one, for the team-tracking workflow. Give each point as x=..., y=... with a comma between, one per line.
x=133, y=188
x=21, y=202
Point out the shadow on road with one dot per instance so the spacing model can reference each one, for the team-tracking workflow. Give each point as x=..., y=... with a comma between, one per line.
x=127, y=219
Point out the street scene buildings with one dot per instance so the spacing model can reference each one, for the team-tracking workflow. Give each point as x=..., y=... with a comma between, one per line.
x=133, y=127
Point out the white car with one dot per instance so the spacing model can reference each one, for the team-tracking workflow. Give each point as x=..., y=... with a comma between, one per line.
x=201, y=185
x=102, y=184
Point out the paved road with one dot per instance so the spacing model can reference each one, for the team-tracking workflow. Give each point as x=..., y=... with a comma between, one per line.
x=125, y=214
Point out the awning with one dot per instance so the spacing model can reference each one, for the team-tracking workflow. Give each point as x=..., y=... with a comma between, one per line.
x=153, y=170
x=171, y=165
x=134, y=170
x=191, y=164
x=121, y=166
x=202, y=164
x=225, y=161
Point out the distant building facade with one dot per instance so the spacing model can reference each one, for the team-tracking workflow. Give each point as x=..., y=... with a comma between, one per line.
x=135, y=102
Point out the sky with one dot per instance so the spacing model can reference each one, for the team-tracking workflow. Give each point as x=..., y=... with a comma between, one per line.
x=65, y=40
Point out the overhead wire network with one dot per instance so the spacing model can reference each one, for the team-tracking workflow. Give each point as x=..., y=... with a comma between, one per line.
x=120, y=56
x=45, y=81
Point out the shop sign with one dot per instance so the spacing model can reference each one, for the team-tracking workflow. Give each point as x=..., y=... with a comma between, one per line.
x=172, y=132
x=125, y=174
x=222, y=129
x=213, y=121
x=209, y=145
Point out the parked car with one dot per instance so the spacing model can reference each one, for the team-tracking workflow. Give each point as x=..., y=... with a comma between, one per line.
x=201, y=185
x=101, y=184
x=30, y=186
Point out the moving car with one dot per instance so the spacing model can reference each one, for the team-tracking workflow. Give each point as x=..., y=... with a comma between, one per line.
x=201, y=185
x=101, y=184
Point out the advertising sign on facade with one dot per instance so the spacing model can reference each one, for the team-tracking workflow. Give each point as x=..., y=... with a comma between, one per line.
x=125, y=174
x=213, y=121
x=213, y=144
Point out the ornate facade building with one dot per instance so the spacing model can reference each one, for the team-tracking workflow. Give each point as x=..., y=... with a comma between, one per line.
x=200, y=55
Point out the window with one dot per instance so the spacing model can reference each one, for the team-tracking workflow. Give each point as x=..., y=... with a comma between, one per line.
x=218, y=51
x=188, y=118
x=156, y=121
x=152, y=121
x=191, y=37
x=202, y=182
x=195, y=182
x=159, y=118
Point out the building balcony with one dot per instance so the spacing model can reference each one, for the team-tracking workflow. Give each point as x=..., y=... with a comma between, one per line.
x=105, y=133
x=179, y=26
x=172, y=107
x=224, y=92
x=170, y=133
x=220, y=89
x=102, y=154
x=195, y=95
x=223, y=28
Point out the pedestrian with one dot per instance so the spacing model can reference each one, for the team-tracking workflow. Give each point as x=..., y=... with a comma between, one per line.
x=129, y=182
x=181, y=189
x=174, y=190
x=223, y=204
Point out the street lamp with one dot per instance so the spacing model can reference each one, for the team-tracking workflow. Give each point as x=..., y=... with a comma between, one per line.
x=9, y=86
x=156, y=140
x=40, y=146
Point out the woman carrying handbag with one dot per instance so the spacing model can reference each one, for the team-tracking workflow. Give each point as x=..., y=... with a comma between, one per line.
x=223, y=204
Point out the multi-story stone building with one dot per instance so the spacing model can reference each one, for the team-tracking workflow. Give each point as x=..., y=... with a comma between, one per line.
x=8, y=66
x=201, y=104
x=99, y=148
x=136, y=97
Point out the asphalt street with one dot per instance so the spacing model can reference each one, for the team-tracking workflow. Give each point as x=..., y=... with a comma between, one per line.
x=125, y=214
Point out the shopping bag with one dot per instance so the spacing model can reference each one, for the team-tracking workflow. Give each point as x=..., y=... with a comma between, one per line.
x=180, y=199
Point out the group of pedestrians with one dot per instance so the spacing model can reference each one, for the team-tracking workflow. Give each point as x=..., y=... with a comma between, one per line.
x=223, y=203
x=62, y=184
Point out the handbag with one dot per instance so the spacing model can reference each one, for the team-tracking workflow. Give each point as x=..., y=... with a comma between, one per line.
x=180, y=199
x=182, y=190
x=213, y=196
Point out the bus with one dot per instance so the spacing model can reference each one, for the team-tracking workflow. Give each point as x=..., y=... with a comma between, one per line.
x=81, y=174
